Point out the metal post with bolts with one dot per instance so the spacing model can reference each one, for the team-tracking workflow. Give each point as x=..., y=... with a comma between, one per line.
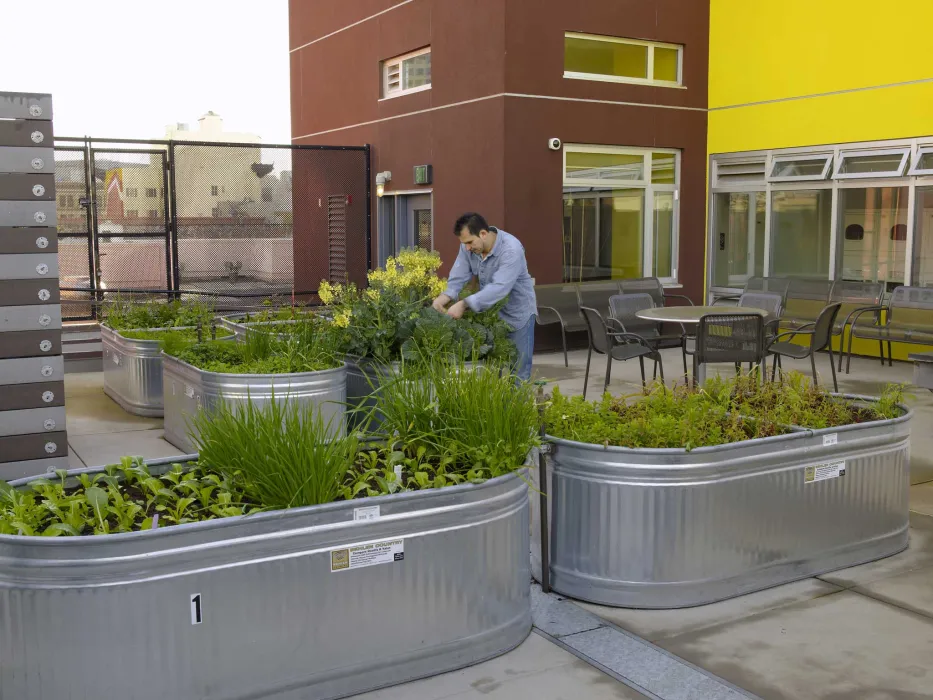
x=542, y=488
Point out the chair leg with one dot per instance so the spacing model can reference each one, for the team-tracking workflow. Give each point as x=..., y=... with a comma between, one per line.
x=659, y=365
x=608, y=371
x=683, y=348
x=654, y=375
x=586, y=377
x=842, y=337
x=881, y=346
x=695, y=369
x=890, y=355
x=849, y=353
x=641, y=362
x=774, y=368
x=563, y=340
x=738, y=368
x=816, y=381
x=832, y=367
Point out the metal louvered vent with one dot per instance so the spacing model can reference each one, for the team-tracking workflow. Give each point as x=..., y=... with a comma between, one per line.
x=337, y=237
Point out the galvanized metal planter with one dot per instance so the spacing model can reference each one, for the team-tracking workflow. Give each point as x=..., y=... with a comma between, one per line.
x=132, y=373
x=275, y=605
x=189, y=389
x=666, y=528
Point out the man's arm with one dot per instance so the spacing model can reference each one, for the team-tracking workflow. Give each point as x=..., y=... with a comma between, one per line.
x=503, y=279
x=460, y=275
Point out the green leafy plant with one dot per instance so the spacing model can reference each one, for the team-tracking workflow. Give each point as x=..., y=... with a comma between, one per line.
x=313, y=345
x=723, y=411
x=122, y=314
x=125, y=497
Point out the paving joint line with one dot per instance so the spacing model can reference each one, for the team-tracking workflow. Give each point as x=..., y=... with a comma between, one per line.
x=603, y=624
x=880, y=598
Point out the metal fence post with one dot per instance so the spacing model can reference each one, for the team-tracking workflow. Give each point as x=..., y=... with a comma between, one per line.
x=542, y=488
x=175, y=282
x=369, y=209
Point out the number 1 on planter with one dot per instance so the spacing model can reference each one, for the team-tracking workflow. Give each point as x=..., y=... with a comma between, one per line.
x=196, y=609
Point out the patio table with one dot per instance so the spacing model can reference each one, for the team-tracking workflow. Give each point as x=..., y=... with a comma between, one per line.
x=692, y=315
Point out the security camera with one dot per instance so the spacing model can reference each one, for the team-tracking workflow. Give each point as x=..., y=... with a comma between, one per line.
x=553, y=144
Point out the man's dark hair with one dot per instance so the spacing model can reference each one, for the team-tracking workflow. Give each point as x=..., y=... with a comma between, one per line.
x=473, y=222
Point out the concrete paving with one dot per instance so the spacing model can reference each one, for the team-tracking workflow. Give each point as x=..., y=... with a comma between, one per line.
x=864, y=633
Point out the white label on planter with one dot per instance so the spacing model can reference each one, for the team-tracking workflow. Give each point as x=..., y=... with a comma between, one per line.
x=116, y=359
x=370, y=554
x=189, y=391
x=196, y=616
x=821, y=472
x=366, y=513
x=830, y=439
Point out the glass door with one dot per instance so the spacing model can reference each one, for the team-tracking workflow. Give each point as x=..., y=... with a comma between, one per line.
x=739, y=245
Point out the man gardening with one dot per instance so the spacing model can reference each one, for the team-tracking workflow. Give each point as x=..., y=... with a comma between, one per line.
x=497, y=260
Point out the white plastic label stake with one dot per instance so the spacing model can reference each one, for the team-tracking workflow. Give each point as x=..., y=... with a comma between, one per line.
x=398, y=472
x=831, y=439
x=366, y=513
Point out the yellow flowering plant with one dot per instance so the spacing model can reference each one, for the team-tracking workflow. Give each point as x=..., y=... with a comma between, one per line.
x=391, y=318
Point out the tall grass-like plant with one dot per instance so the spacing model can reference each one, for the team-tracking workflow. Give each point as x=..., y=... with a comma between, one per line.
x=287, y=455
x=477, y=416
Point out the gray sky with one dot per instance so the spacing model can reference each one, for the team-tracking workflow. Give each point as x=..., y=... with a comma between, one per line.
x=127, y=69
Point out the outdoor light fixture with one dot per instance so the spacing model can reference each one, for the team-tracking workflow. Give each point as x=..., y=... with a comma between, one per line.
x=381, y=180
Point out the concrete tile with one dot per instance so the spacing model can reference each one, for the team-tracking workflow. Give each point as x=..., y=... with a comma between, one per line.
x=838, y=647
x=918, y=555
x=95, y=413
x=558, y=616
x=649, y=667
x=913, y=590
x=654, y=625
x=97, y=450
x=537, y=669
x=921, y=498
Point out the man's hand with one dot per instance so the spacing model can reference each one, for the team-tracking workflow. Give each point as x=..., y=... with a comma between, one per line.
x=440, y=304
x=456, y=311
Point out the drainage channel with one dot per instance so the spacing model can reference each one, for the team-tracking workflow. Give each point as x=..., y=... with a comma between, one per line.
x=637, y=663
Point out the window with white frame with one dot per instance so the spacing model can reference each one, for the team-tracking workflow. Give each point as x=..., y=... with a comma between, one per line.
x=620, y=213
x=618, y=60
x=853, y=212
x=406, y=74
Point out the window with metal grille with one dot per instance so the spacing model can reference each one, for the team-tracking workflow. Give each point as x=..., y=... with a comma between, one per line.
x=151, y=192
x=406, y=74
x=213, y=190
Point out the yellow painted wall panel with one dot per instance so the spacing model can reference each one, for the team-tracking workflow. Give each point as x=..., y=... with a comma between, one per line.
x=772, y=49
x=904, y=111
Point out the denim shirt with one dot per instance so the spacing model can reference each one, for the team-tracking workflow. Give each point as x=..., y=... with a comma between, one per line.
x=503, y=273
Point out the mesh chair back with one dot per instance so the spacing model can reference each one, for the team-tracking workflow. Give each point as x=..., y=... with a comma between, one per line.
x=823, y=329
x=730, y=338
x=596, y=329
x=623, y=308
x=912, y=306
x=766, y=301
x=809, y=289
x=562, y=297
x=596, y=295
x=857, y=293
x=645, y=285
x=772, y=285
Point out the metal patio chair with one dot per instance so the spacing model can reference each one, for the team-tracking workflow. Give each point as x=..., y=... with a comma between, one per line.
x=559, y=303
x=908, y=319
x=624, y=307
x=615, y=345
x=652, y=286
x=735, y=338
x=820, y=338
